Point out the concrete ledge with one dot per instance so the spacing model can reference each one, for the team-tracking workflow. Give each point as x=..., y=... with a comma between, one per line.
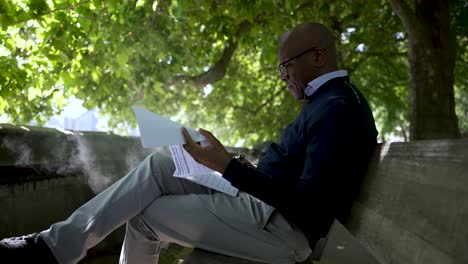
x=45, y=174
x=413, y=203
x=412, y=207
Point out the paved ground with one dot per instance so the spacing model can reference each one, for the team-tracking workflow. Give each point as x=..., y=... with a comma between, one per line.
x=341, y=249
x=176, y=255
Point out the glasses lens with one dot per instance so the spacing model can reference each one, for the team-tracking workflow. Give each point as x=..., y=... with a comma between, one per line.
x=282, y=68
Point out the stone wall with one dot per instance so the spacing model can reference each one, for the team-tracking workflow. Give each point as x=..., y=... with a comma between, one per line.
x=412, y=207
x=45, y=174
x=413, y=203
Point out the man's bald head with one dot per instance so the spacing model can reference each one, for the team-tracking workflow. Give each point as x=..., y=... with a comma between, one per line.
x=310, y=34
x=320, y=59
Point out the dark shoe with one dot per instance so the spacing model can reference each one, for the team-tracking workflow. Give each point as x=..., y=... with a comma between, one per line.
x=25, y=249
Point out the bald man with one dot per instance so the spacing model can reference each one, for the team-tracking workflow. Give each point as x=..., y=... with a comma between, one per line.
x=286, y=204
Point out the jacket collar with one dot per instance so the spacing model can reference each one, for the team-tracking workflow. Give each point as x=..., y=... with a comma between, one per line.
x=313, y=85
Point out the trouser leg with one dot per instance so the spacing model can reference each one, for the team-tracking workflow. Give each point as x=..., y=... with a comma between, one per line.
x=88, y=225
x=140, y=245
x=239, y=226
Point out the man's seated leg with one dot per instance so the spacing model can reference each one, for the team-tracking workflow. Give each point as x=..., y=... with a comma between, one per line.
x=91, y=223
x=241, y=226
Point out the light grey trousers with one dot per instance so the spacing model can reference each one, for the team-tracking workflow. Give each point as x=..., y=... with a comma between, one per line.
x=159, y=207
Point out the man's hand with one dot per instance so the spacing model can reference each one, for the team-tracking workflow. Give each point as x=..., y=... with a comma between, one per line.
x=213, y=156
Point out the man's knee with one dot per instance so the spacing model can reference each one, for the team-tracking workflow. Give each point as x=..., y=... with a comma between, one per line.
x=160, y=160
x=161, y=165
x=157, y=157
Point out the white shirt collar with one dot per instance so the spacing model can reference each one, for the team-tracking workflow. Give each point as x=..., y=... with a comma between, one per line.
x=313, y=85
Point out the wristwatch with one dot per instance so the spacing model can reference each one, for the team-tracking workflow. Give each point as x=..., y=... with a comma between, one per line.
x=239, y=157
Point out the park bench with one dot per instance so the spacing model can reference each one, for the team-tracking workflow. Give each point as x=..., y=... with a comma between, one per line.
x=412, y=206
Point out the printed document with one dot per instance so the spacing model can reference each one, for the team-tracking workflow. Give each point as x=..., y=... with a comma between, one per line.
x=158, y=131
x=188, y=168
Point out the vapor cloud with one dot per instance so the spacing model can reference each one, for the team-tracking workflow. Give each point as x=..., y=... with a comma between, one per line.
x=71, y=154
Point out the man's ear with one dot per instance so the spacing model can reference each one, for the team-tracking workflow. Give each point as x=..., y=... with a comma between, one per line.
x=319, y=57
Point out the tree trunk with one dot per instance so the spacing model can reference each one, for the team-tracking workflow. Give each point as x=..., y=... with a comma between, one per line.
x=431, y=56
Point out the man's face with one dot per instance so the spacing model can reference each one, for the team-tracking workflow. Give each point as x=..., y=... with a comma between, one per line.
x=292, y=74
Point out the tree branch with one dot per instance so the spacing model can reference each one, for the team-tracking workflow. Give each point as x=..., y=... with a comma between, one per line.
x=242, y=108
x=218, y=70
x=262, y=105
x=403, y=132
x=366, y=55
x=51, y=12
x=304, y=4
x=268, y=100
x=406, y=14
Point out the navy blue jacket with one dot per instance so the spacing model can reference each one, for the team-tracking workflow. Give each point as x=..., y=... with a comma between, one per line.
x=311, y=176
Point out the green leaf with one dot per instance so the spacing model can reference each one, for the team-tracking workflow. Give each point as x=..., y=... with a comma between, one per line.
x=120, y=52
x=38, y=7
x=96, y=75
x=122, y=58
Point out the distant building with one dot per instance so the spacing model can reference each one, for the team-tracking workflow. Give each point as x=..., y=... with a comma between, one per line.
x=85, y=122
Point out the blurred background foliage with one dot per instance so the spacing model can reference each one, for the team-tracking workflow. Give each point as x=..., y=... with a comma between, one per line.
x=204, y=63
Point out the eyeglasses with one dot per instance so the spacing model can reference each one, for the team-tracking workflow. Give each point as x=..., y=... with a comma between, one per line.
x=282, y=66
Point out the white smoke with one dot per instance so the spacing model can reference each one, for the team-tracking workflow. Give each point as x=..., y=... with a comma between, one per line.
x=71, y=156
x=132, y=160
x=20, y=149
x=97, y=181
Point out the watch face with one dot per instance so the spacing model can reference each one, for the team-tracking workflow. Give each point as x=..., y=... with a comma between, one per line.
x=239, y=157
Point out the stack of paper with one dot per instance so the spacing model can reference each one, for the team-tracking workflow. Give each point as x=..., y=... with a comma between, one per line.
x=188, y=168
x=158, y=131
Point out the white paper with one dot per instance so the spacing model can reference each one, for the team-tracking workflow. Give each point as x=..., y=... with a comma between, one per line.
x=156, y=131
x=188, y=168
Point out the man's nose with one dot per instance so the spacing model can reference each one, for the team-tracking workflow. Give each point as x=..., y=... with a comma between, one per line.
x=284, y=76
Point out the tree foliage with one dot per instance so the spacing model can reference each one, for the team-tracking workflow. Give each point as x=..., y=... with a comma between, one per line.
x=208, y=63
x=461, y=67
